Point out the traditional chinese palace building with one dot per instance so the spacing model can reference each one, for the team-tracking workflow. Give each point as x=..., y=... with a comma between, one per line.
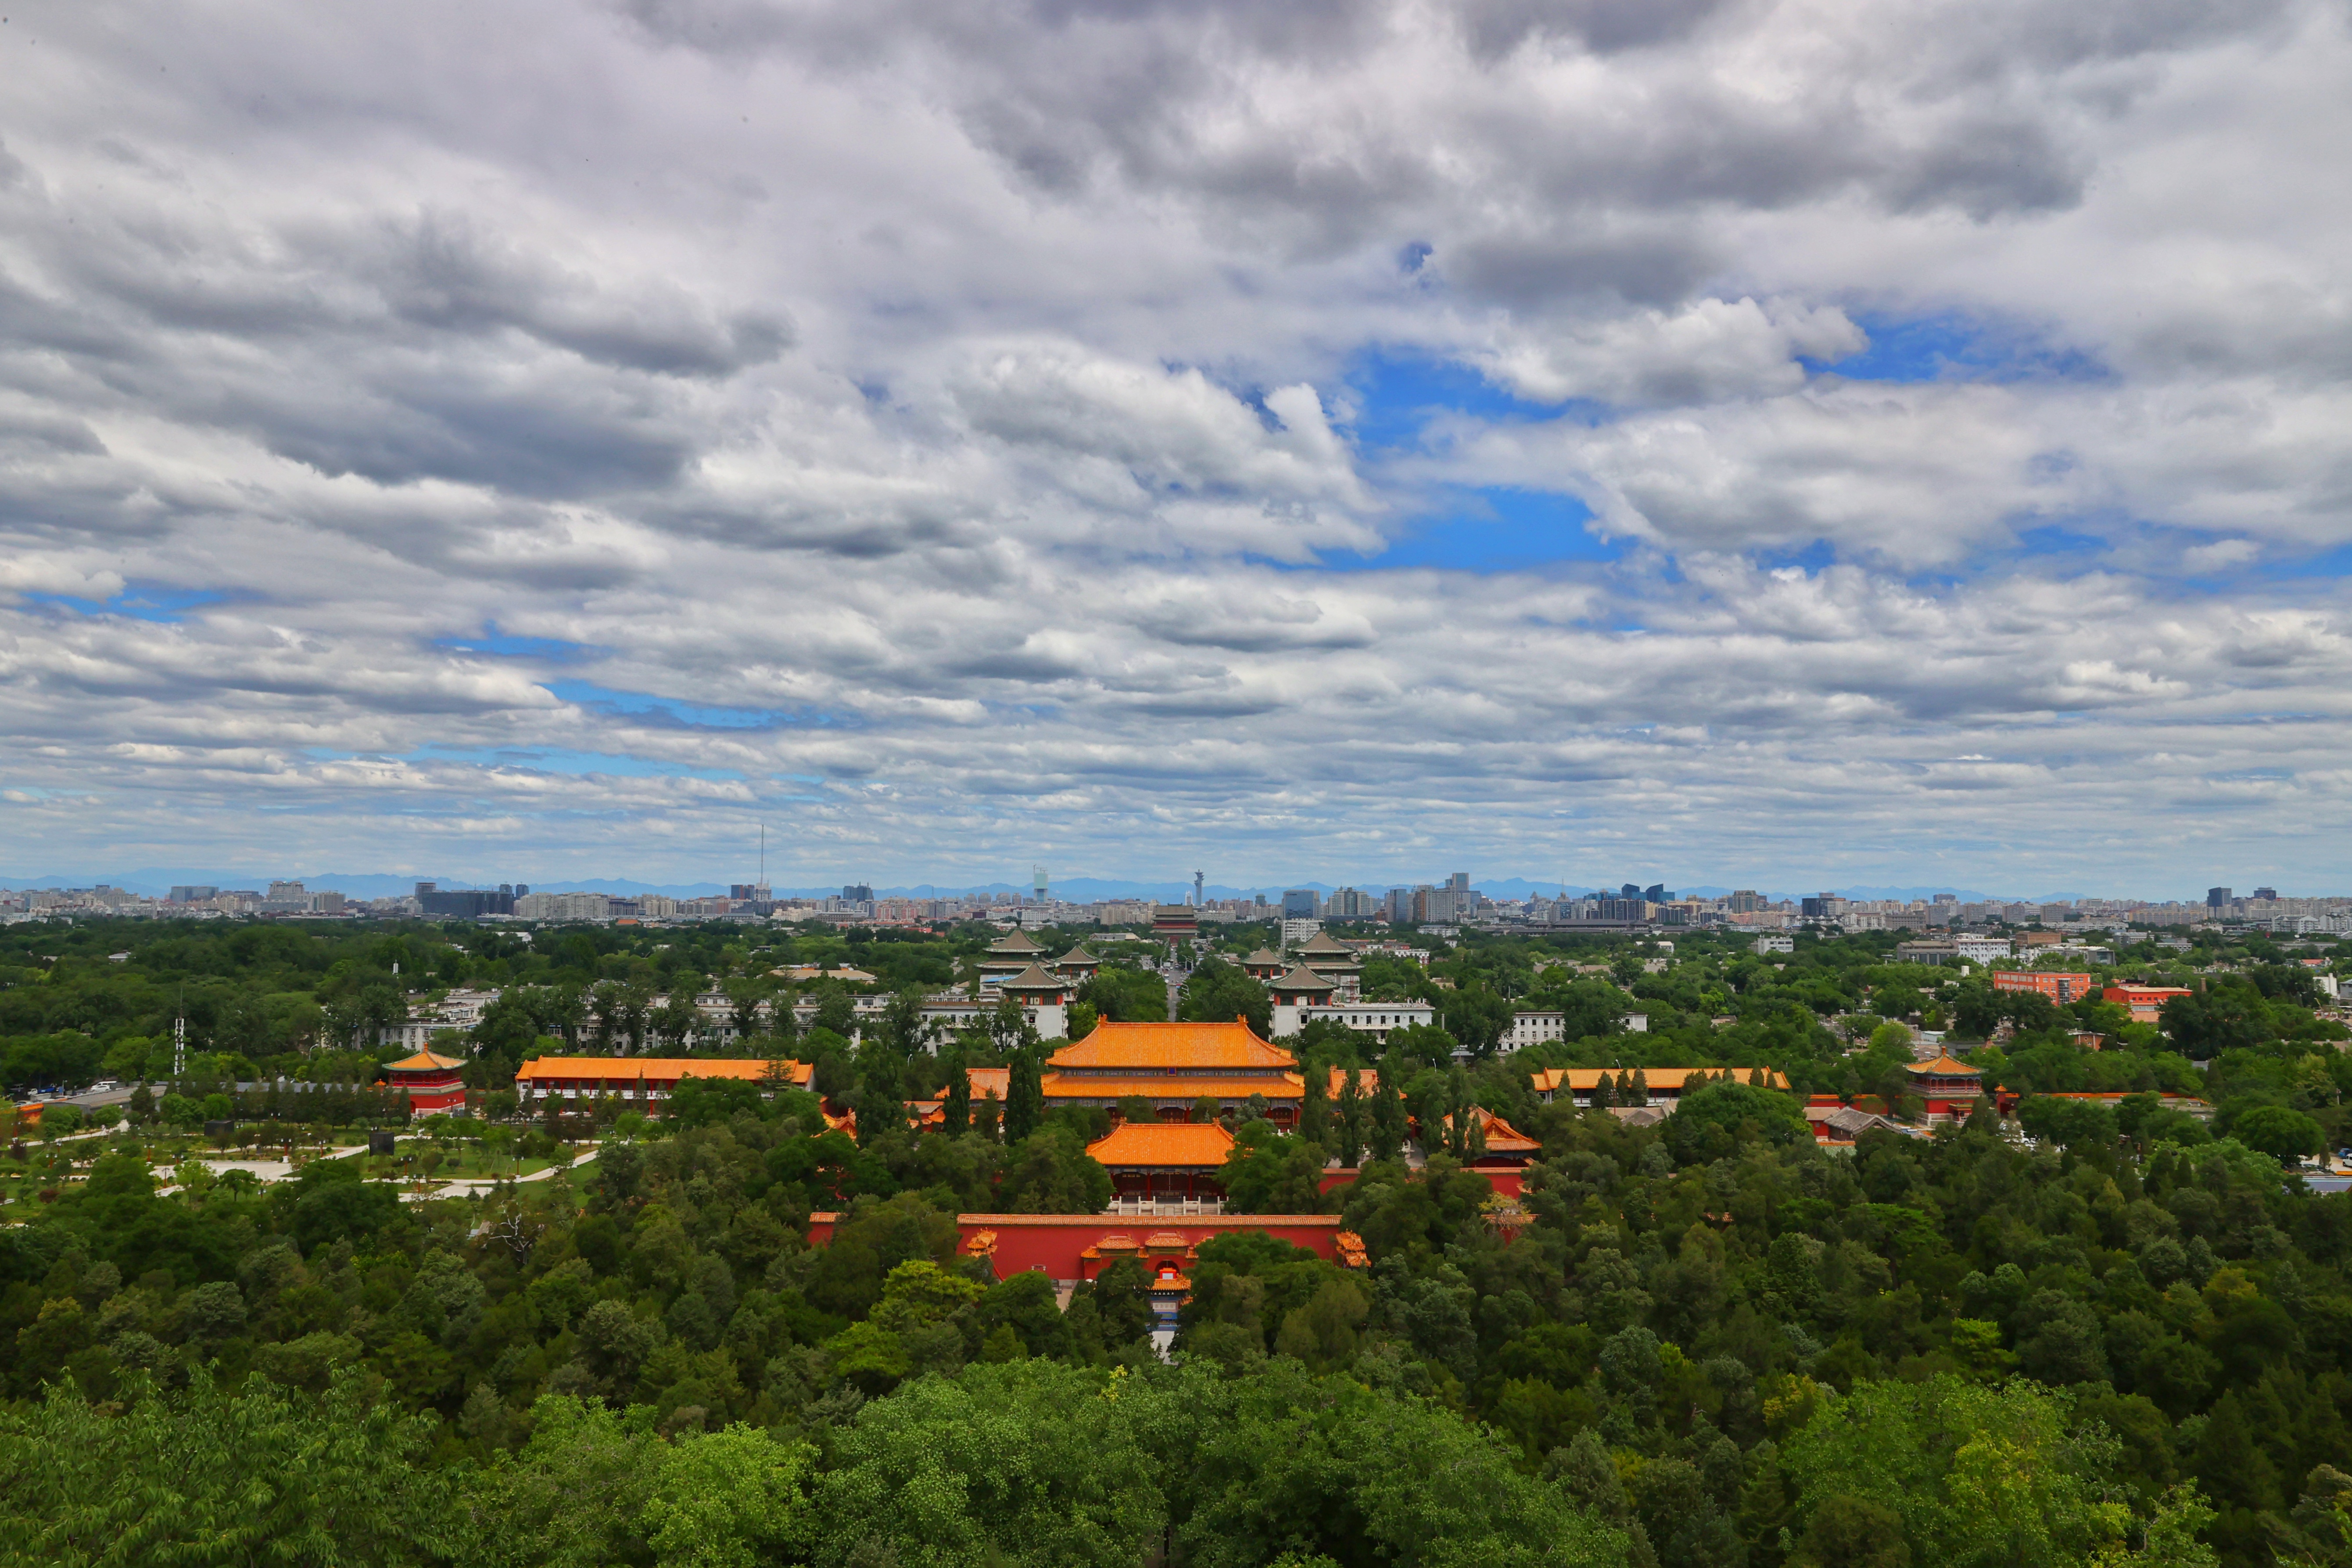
x=651, y=1079
x=430, y=1082
x=1165, y=1162
x=1007, y=956
x=1174, y=1066
x=1661, y=1086
x=1950, y=1088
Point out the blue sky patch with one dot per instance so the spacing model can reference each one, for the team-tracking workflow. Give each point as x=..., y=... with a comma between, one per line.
x=1398, y=392
x=1956, y=347
x=667, y=711
x=140, y=601
x=508, y=645
x=558, y=759
x=1494, y=529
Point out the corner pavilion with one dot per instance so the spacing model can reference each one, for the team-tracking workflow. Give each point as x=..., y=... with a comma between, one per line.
x=1950, y=1088
x=430, y=1082
x=1175, y=1065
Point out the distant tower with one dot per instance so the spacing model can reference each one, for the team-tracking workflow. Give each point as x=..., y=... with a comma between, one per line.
x=1038, y=877
x=1200, y=898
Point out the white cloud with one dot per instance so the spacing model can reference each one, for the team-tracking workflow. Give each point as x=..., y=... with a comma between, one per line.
x=983, y=393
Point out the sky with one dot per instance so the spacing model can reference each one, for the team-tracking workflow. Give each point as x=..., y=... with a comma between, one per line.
x=1708, y=441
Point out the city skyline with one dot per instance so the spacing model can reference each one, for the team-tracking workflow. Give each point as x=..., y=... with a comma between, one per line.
x=1082, y=890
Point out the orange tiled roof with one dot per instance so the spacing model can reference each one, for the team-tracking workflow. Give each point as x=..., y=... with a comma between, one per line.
x=1224, y=1047
x=1550, y=1079
x=1502, y=1138
x=424, y=1061
x=1159, y=1144
x=987, y=1081
x=1367, y=1079
x=628, y=1070
x=1944, y=1066
x=1176, y=1086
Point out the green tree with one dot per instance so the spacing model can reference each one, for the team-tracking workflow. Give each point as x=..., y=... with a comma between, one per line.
x=203, y=1476
x=574, y=1495
x=1270, y=1174
x=1219, y=992
x=1026, y=1463
x=2279, y=1131
x=955, y=1109
x=1024, y=1097
x=1980, y=1478
x=724, y=1500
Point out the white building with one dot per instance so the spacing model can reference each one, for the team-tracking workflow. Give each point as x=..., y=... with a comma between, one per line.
x=591, y=907
x=1534, y=1028
x=1374, y=1018
x=1776, y=944
x=459, y=1010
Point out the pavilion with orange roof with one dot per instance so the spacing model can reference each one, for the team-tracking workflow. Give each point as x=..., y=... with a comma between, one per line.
x=1950, y=1088
x=431, y=1081
x=1162, y=1162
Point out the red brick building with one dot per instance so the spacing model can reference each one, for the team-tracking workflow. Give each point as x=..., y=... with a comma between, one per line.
x=2060, y=986
x=2144, y=1003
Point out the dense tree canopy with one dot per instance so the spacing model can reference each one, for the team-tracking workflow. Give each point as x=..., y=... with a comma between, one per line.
x=2097, y=1335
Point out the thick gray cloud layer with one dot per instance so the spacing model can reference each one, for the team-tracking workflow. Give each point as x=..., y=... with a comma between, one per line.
x=556, y=438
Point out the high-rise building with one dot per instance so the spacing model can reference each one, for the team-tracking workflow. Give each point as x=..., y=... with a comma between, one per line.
x=1656, y=894
x=193, y=895
x=1300, y=903
x=1747, y=900
x=2217, y=898
x=1400, y=905
x=466, y=902
x=857, y=893
x=1348, y=903
x=2267, y=894
x=1630, y=890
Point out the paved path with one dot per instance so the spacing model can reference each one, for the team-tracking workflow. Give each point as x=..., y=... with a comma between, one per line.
x=469, y=1187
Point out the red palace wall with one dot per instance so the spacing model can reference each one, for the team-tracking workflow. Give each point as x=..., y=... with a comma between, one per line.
x=1052, y=1242
x=1508, y=1180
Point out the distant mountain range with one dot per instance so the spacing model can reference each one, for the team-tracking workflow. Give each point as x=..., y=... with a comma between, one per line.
x=156, y=881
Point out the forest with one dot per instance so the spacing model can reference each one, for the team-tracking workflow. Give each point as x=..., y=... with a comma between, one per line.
x=2085, y=1335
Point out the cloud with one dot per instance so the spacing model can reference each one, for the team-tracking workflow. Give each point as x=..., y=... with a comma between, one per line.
x=977, y=396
